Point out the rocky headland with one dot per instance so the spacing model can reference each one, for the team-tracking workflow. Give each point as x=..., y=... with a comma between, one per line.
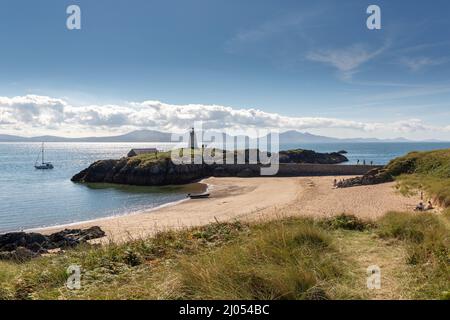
x=157, y=170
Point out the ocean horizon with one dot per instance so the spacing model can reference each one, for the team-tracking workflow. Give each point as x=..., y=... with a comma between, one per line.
x=31, y=198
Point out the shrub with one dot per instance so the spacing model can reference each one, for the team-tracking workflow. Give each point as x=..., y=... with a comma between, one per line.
x=347, y=222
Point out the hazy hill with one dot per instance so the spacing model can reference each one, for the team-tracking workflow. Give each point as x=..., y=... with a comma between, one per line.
x=134, y=136
x=287, y=137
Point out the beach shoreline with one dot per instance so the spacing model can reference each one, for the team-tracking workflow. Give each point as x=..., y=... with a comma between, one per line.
x=197, y=187
x=252, y=199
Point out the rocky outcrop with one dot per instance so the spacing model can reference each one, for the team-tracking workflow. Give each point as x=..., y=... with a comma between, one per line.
x=407, y=164
x=138, y=171
x=135, y=172
x=310, y=156
x=24, y=246
x=375, y=176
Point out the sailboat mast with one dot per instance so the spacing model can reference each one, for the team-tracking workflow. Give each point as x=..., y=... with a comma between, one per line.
x=42, y=152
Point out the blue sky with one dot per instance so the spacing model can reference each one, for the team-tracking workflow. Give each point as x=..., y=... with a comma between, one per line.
x=310, y=65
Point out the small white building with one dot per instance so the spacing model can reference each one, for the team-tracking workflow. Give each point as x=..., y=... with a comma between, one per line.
x=136, y=152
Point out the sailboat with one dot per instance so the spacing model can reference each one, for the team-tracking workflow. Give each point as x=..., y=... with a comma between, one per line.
x=43, y=165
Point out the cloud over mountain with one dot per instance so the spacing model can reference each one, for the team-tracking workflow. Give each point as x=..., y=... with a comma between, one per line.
x=33, y=112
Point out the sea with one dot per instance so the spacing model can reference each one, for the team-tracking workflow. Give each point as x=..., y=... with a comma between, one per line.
x=31, y=198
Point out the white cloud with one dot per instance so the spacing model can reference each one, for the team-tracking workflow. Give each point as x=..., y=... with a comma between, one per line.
x=346, y=60
x=32, y=110
x=411, y=125
x=289, y=25
x=268, y=29
x=33, y=113
x=419, y=63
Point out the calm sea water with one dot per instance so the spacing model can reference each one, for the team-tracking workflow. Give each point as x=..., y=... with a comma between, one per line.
x=379, y=153
x=31, y=198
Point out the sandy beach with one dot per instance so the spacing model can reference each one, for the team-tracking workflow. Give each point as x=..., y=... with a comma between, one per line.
x=256, y=198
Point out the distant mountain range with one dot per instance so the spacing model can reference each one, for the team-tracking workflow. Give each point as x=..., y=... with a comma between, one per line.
x=134, y=136
x=288, y=137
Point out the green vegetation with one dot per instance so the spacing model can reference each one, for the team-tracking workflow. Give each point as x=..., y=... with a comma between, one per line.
x=425, y=171
x=294, y=261
x=427, y=239
x=346, y=222
x=148, y=159
x=291, y=258
x=287, y=156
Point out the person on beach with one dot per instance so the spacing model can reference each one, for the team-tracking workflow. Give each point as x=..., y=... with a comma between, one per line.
x=420, y=207
x=335, y=183
x=430, y=206
x=364, y=162
x=357, y=161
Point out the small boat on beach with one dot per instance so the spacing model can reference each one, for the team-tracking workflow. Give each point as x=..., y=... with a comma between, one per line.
x=43, y=165
x=198, y=196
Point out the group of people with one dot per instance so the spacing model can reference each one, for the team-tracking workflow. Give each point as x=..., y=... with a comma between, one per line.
x=422, y=207
x=364, y=162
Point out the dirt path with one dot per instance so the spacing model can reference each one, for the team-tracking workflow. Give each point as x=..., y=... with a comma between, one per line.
x=364, y=249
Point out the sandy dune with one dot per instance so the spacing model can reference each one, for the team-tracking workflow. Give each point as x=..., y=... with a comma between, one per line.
x=255, y=198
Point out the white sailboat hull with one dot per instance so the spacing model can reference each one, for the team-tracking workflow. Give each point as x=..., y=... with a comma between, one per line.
x=44, y=166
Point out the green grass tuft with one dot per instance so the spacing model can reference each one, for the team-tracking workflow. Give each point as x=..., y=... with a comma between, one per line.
x=277, y=261
x=346, y=222
x=428, y=246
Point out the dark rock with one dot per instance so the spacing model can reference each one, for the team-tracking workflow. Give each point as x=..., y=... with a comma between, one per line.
x=342, y=152
x=374, y=176
x=20, y=254
x=78, y=235
x=92, y=233
x=310, y=156
x=22, y=245
x=10, y=241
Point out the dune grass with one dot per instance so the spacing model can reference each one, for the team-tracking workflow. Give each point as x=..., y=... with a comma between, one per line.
x=219, y=261
x=293, y=261
x=290, y=258
x=427, y=239
x=435, y=188
x=425, y=171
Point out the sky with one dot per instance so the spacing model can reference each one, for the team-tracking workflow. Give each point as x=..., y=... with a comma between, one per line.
x=312, y=66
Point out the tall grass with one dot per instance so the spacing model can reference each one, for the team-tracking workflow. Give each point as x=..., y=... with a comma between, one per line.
x=291, y=258
x=279, y=260
x=427, y=240
x=288, y=259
